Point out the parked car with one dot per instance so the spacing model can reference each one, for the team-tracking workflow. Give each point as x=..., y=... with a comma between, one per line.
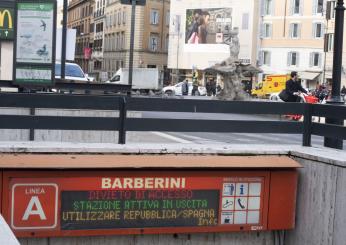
x=177, y=89
x=72, y=72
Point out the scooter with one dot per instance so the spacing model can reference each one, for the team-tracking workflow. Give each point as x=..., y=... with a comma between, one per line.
x=304, y=98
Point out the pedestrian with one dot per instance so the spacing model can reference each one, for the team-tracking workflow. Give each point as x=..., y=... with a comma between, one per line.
x=208, y=87
x=213, y=88
x=292, y=90
x=185, y=88
x=343, y=90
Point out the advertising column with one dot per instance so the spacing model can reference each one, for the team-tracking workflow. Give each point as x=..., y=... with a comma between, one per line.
x=34, y=59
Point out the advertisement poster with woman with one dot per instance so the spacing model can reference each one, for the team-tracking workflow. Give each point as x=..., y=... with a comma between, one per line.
x=206, y=26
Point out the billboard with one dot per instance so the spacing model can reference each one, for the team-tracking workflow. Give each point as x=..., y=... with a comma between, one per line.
x=206, y=26
x=201, y=29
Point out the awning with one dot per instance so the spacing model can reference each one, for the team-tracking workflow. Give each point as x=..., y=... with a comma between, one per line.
x=304, y=75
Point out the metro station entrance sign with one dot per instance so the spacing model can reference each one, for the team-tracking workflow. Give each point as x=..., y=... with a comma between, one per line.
x=146, y=202
x=145, y=194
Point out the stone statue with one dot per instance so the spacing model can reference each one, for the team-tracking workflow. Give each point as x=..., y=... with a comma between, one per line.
x=232, y=70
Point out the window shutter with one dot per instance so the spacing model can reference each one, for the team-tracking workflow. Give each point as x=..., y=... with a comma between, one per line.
x=314, y=27
x=292, y=7
x=269, y=58
x=311, y=62
x=272, y=7
x=158, y=18
x=297, y=59
x=291, y=30
x=260, y=58
x=301, y=7
x=262, y=7
x=322, y=29
x=289, y=58
x=270, y=30
x=319, y=60
x=328, y=10
x=314, y=7
x=299, y=30
x=262, y=31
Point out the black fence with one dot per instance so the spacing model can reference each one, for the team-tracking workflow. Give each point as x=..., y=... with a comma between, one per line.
x=123, y=104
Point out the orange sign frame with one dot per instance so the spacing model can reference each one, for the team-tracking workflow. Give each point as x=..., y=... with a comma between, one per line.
x=21, y=188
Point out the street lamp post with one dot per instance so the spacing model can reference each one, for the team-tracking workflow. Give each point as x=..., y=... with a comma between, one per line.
x=133, y=15
x=336, y=98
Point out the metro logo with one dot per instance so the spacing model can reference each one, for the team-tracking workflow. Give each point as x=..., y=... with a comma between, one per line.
x=34, y=206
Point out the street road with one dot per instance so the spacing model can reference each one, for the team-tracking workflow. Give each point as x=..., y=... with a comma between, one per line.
x=229, y=138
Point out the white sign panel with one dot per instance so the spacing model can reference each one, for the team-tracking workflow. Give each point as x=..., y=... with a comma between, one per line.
x=35, y=33
x=70, y=44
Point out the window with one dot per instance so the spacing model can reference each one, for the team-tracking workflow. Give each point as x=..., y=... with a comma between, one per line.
x=154, y=17
x=168, y=18
x=124, y=16
x=267, y=30
x=294, y=30
x=318, y=30
x=265, y=58
x=119, y=18
x=245, y=21
x=268, y=7
x=318, y=7
x=123, y=40
x=296, y=7
x=115, y=19
x=153, y=42
x=293, y=59
x=329, y=39
x=167, y=43
x=315, y=59
x=330, y=14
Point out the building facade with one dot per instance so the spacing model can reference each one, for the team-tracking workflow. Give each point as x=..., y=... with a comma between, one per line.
x=151, y=35
x=97, y=58
x=80, y=17
x=292, y=39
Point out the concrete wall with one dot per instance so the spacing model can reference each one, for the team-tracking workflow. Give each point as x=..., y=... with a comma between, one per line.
x=264, y=238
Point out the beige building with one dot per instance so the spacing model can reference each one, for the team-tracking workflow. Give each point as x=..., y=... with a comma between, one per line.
x=329, y=45
x=80, y=17
x=151, y=35
x=292, y=38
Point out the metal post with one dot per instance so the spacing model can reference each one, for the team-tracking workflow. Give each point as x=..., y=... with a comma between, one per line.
x=132, y=42
x=336, y=98
x=122, y=118
x=63, y=39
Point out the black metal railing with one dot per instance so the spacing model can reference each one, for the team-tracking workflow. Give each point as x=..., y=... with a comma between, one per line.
x=123, y=104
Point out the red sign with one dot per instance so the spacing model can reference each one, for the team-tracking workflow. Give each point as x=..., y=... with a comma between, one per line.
x=100, y=203
x=34, y=206
x=87, y=53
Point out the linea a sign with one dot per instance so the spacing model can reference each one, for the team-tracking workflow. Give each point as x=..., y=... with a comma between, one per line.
x=6, y=23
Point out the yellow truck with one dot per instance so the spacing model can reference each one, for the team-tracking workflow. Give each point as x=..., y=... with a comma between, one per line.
x=271, y=84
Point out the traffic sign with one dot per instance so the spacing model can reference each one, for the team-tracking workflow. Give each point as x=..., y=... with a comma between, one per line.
x=34, y=206
x=129, y=2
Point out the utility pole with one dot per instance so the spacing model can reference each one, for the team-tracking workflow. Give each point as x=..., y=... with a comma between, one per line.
x=132, y=42
x=63, y=39
x=336, y=98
